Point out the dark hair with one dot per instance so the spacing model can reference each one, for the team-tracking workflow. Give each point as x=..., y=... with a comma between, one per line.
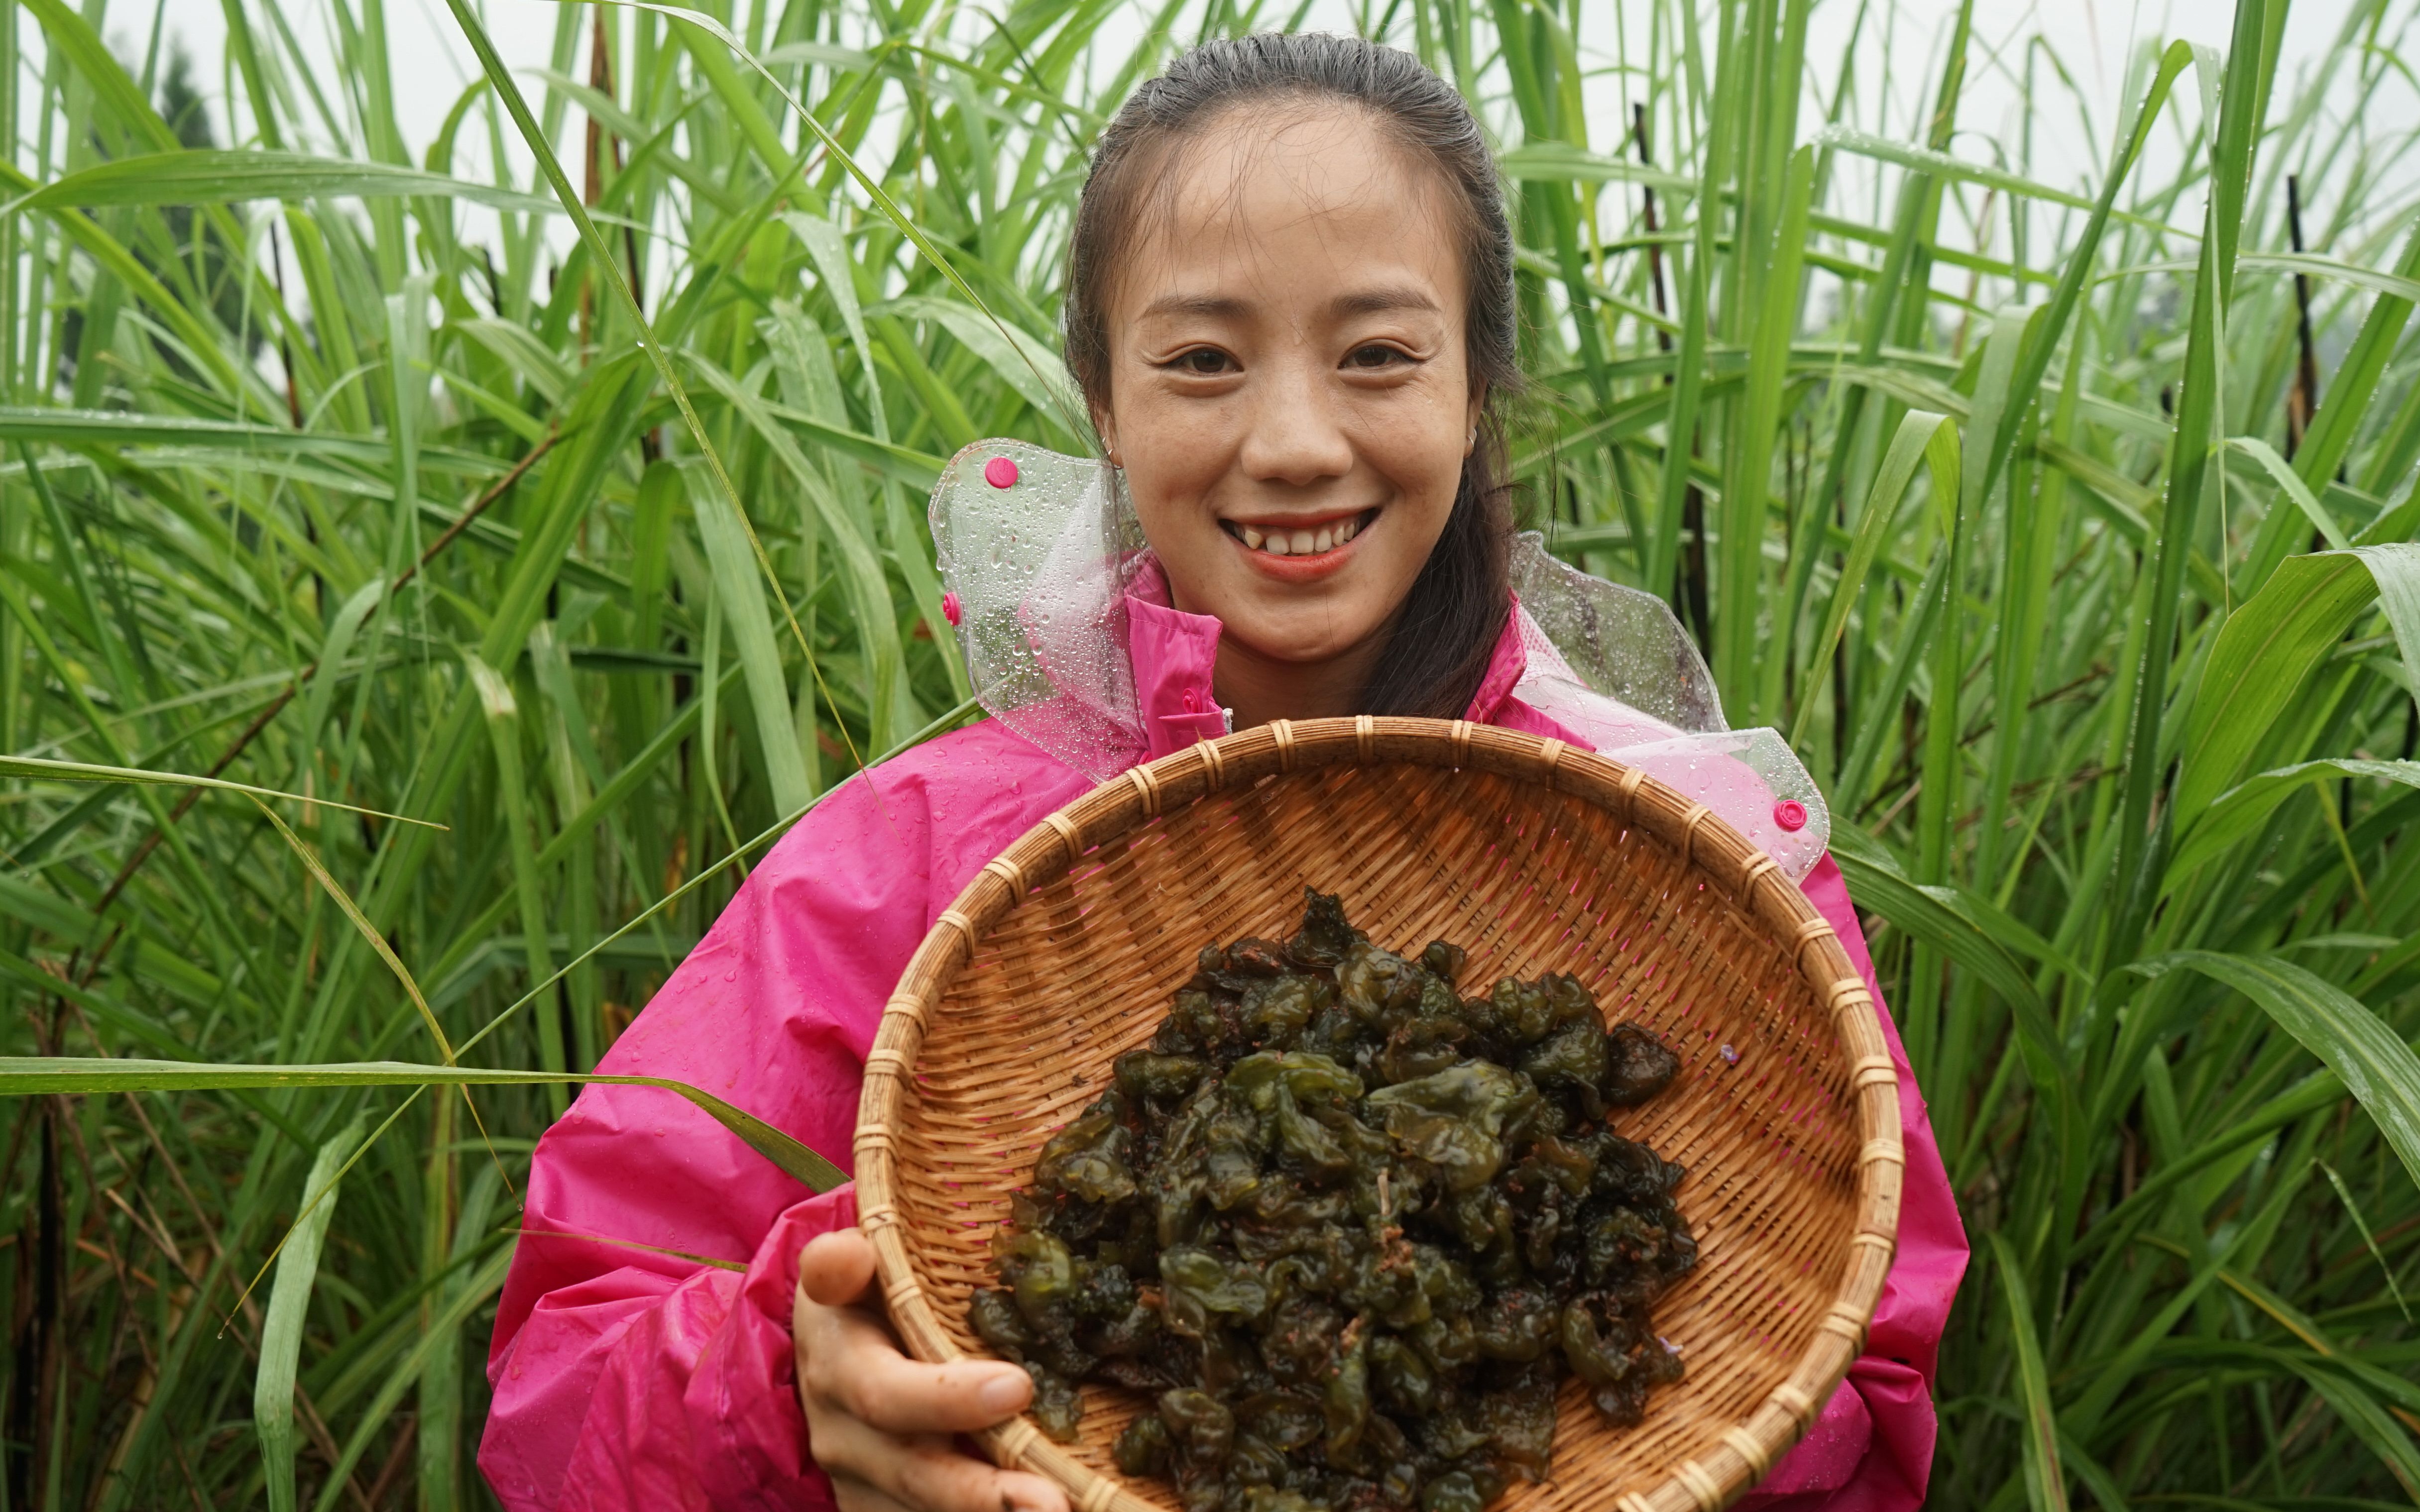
x=1450, y=620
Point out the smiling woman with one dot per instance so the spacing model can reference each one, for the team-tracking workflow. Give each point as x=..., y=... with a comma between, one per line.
x=1276, y=346
x=1290, y=304
x=1288, y=373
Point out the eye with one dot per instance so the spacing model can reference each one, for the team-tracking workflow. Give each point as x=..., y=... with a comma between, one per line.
x=1204, y=362
x=1375, y=356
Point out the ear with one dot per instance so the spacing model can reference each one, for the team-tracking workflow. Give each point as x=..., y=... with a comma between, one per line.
x=1476, y=408
x=1105, y=426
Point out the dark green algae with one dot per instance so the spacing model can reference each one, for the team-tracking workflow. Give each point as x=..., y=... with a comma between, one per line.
x=1348, y=1230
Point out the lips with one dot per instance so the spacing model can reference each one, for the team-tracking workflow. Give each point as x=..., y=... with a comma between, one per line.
x=1277, y=538
x=1295, y=554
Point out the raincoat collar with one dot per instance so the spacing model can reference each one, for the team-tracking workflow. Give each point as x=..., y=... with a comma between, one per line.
x=1175, y=654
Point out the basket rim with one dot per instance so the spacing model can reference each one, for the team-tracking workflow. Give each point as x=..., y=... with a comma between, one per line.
x=1752, y=880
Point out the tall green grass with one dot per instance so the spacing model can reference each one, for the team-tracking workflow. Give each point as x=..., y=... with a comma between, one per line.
x=2063, y=524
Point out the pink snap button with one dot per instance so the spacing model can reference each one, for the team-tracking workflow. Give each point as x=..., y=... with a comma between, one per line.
x=950, y=607
x=1789, y=815
x=1001, y=472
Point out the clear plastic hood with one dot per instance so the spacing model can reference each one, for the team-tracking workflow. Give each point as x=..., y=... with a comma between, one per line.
x=1040, y=550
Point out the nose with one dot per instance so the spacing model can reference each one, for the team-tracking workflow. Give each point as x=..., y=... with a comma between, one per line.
x=1295, y=436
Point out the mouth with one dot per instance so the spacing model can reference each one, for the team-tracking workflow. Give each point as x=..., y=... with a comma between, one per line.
x=1290, y=540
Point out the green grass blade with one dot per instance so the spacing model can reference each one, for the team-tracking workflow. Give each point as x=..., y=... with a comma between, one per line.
x=1876, y=880
x=37, y=769
x=2241, y=809
x=360, y=923
x=1925, y=439
x=2045, y=1481
x=2271, y=646
x=2353, y=1210
x=2375, y=1064
x=53, y=1075
x=2295, y=488
x=741, y=603
x=282, y=1325
x=206, y=176
x=2370, y=1421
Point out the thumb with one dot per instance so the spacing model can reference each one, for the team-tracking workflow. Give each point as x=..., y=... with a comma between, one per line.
x=837, y=1268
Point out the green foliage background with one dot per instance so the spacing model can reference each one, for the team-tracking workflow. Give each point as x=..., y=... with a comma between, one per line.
x=2077, y=566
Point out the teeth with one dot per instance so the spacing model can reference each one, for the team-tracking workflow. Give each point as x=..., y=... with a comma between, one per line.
x=1299, y=543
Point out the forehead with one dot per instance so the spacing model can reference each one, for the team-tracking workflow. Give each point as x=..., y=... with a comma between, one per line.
x=1292, y=200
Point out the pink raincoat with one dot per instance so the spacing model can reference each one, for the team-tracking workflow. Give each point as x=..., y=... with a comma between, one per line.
x=638, y=1381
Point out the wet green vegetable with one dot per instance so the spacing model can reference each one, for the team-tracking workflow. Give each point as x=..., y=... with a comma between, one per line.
x=1348, y=1229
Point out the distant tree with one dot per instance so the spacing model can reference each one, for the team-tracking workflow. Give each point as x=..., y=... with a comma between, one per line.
x=217, y=269
x=212, y=265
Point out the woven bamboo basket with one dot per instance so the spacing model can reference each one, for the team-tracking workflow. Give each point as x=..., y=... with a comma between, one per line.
x=1533, y=854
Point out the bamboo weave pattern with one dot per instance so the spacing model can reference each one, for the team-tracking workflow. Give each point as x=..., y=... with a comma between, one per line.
x=1536, y=857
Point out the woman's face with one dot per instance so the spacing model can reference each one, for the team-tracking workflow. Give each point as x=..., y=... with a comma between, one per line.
x=1288, y=389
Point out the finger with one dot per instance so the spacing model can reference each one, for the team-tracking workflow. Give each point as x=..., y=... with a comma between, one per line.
x=854, y=1364
x=940, y=1480
x=849, y=1361
x=836, y=1268
x=855, y=1495
x=928, y=1475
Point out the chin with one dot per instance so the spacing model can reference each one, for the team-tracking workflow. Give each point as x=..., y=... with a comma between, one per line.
x=1288, y=639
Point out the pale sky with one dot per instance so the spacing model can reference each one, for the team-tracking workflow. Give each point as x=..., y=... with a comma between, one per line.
x=2095, y=36
x=1900, y=46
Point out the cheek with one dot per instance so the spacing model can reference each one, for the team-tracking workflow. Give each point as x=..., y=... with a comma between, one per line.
x=1422, y=435
x=1169, y=476
x=1168, y=450
x=1409, y=549
x=1424, y=457
x=1168, y=482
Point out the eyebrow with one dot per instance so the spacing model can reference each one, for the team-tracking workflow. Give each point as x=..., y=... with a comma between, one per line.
x=1217, y=306
x=1381, y=301
x=1212, y=305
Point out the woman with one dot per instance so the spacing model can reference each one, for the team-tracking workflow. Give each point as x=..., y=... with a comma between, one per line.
x=1289, y=310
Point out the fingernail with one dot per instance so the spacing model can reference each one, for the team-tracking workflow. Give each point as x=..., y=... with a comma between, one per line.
x=1003, y=1394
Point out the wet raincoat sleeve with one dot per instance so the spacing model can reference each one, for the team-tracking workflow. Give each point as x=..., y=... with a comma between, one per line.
x=660, y=1377
x=628, y=1378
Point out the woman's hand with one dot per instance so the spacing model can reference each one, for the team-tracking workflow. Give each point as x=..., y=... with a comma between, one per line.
x=879, y=1423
